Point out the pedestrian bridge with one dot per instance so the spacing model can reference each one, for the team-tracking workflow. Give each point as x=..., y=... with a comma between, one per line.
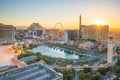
x=93, y=67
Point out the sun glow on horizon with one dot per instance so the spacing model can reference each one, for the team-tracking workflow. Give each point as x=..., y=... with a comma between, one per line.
x=98, y=22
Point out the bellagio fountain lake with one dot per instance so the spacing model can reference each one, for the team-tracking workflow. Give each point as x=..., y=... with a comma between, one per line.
x=57, y=52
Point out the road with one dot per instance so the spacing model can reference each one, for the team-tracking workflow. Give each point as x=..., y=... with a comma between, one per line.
x=75, y=76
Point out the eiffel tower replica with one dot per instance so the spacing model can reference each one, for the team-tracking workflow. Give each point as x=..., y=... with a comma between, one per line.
x=79, y=34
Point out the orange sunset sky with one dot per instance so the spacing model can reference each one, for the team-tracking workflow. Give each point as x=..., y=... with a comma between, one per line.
x=49, y=12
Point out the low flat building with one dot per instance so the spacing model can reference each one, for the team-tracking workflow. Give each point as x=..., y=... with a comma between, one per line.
x=29, y=58
x=36, y=71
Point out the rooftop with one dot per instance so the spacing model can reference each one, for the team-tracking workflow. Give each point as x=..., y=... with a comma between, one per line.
x=30, y=58
x=36, y=71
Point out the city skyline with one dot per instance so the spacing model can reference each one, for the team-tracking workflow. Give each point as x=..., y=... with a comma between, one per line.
x=49, y=12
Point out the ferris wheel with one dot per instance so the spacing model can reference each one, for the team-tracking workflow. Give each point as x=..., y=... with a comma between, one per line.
x=61, y=32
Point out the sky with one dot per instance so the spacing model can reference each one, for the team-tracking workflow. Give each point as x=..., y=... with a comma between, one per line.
x=49, y=12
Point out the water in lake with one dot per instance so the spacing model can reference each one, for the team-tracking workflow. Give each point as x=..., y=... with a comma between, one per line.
x=56, y=52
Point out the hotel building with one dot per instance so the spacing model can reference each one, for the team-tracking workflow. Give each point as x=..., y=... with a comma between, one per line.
x=115, y=33
x=53, y=34
x=72, y=34
x=7, y=34
x=96, y=32
x=35, y=30
x=111, y=54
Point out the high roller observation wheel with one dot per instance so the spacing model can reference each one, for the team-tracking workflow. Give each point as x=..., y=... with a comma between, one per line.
x=62, y=33
x=59, y=24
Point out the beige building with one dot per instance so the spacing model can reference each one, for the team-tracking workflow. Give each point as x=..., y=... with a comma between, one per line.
x=7, y=34
x=96, y=32
x=115, y=33
x=53, y=34
x=36, y=31
x=35, y=26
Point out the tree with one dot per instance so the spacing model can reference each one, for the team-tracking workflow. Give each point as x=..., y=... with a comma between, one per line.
x=82, y=75
x=67, y=74
x=102, y=70
x=87, y=70
x=109, y=68
x=96, y=76
x=89, y=76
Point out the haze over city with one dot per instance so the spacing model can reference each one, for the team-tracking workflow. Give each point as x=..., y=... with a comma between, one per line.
x=49, y=12
x=59, y=40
